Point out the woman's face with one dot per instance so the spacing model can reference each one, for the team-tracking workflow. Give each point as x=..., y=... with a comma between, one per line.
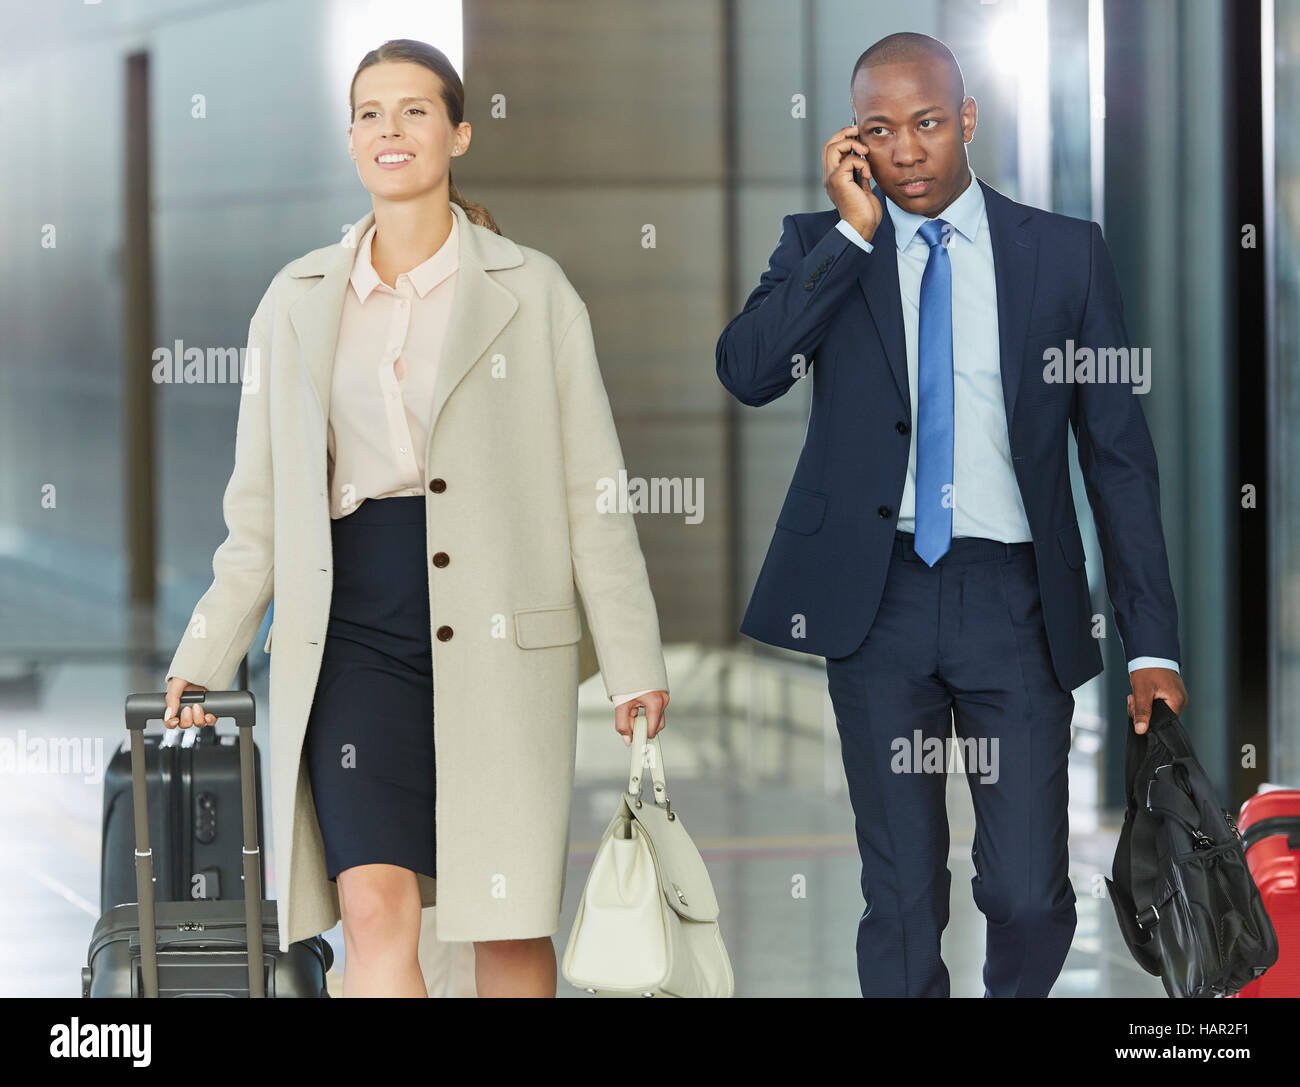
x=400, y=135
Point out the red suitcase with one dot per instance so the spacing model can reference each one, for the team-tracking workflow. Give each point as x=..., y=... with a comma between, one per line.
x=1270, y=832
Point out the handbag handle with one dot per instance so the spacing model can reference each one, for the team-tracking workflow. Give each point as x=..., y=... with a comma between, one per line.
x=640, y=749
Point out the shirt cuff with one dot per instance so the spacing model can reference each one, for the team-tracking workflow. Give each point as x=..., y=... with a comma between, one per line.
x=1152, y=662
x=619, y=699
x=857, y=239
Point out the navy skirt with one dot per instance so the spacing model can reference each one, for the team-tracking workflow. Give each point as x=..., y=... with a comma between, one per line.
x=369, y=742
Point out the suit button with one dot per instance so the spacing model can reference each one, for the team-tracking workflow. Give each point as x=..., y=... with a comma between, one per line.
x=444, y=634
x=884, y=511
x=901, y=427
x=437, y=486
x=441, y=559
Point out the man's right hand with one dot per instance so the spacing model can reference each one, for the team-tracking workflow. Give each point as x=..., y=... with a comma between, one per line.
x=855, y=201
x=190, y=714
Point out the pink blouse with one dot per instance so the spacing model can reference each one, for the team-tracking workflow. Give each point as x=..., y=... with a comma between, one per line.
x=380, y=407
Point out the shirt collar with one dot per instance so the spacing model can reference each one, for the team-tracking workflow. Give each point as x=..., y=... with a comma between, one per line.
x=424, y=277
x=966, y=213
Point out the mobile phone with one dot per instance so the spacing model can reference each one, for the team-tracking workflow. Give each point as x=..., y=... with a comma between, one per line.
x=857, y=174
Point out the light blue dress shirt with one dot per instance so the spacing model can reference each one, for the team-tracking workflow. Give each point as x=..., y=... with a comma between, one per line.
x=986, y=496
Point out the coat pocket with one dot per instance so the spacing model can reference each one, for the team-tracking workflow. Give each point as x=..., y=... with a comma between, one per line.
x=1052, y=324
x=1071, y=545
x=537, y=628
x=802, y=512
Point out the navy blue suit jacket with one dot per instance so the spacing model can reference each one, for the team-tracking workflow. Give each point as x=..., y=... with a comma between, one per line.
x=838, y=306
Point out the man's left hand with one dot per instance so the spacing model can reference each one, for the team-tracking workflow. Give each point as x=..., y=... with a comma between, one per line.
x=1152, y=683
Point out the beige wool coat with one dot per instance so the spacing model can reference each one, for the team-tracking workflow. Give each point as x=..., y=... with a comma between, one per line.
x=521, y=437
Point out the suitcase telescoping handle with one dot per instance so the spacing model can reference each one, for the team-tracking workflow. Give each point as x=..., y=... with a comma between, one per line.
x=140, y=709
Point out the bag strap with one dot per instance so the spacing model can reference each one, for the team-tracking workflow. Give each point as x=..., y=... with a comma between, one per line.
x=140, y=710
x=1166, y=798
x=1135, y=753
x=1165, y=725
x=646, y=753
x=1134, y=871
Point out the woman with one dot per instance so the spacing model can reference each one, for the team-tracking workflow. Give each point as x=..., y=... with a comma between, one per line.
x=422, y=435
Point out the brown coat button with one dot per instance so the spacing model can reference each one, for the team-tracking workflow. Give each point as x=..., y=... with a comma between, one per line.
x=437, y=486
x=441, y=559
x=444, y=634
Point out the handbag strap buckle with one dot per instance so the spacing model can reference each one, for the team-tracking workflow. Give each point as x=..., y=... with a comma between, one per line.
x=1148, y=918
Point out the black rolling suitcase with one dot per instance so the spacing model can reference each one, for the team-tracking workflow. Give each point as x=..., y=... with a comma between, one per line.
x=205, y=947
x=192, y=778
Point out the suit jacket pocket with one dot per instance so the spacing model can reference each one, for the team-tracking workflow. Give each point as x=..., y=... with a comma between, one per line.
x=1053, y=324
x=537, y=628
x=802, y=512
x=1071, y=545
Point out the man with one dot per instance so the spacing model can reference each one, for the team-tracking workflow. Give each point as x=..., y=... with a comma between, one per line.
x=928, y=546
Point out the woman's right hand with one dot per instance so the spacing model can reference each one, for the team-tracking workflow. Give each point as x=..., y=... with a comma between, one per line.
x=192, y=714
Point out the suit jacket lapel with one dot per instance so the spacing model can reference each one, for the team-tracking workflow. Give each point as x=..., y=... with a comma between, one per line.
x=879, y=283
x=1015, y=254
x=480, y=310
x=1015, y=257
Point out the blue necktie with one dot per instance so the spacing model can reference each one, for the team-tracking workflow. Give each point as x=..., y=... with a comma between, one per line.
x=934, y=405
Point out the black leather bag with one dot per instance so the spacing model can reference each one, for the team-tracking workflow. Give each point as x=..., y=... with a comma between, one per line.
x=1186, y=903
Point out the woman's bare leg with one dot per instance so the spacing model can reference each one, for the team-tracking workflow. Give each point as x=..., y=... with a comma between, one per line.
x=380, y=908
x=515, y=967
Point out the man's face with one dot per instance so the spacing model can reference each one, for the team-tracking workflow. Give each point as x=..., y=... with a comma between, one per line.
x=916, y=136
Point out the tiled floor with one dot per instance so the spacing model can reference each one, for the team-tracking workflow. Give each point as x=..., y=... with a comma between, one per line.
x=759, y=788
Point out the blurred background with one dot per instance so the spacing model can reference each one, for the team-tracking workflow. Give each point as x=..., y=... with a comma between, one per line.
x=167, y=157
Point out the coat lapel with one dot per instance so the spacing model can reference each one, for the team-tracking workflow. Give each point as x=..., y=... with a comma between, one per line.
x=481, y=308
x=879, y=283
x=1015, y=253
x=1015, y=256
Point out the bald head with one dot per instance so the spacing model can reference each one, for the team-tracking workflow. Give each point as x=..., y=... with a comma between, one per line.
x=911, y=48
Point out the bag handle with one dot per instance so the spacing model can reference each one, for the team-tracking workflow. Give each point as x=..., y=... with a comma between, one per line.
x=647, y=753
x=140, y=709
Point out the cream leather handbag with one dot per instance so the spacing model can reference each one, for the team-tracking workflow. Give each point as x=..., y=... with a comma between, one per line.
x=647, y=924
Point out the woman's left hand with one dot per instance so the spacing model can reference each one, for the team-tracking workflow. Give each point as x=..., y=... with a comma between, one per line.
x=655, y=702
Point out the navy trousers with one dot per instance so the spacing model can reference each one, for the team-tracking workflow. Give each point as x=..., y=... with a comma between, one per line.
x=958, y=647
